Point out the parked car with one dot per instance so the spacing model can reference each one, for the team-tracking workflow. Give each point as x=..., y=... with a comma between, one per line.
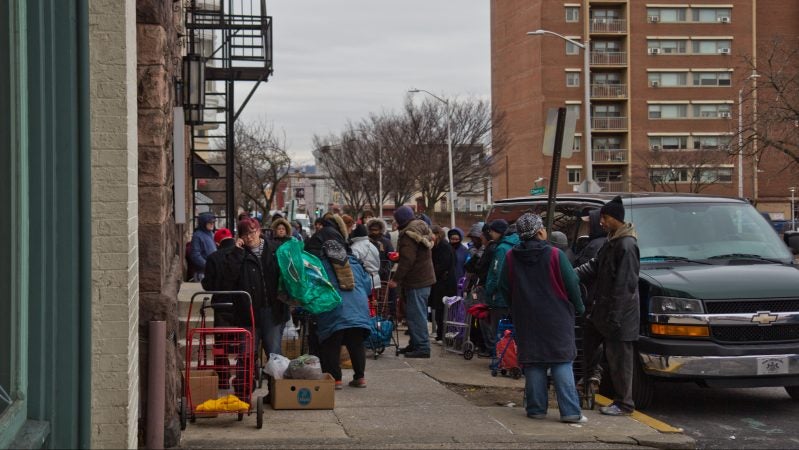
x=719, y=289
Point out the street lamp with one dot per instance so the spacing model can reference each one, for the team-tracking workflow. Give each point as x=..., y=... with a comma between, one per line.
x=588, y=184
x=753, y=76
x=793, y=208
x=449, y=153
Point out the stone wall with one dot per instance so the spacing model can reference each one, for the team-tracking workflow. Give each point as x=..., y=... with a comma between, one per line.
x=160, y=239
x=115, y=253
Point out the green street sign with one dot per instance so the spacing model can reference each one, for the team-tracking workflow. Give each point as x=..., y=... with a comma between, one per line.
x=538, y=190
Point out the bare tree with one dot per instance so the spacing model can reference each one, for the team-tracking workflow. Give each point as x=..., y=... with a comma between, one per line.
x=776, y=124
x=343, y=161
x=683, y=170
x=261, y=163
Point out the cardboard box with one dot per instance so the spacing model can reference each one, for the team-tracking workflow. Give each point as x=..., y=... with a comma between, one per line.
x=303, y=394
x=204, y=385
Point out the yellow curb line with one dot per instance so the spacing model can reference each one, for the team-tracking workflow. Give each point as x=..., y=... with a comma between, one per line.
x=663, y=427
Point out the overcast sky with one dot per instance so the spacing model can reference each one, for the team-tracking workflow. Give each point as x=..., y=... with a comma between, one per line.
x=342, y=59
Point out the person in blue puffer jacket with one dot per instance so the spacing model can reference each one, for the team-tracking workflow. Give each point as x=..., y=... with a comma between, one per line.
x=202, y=243
x=348, y=325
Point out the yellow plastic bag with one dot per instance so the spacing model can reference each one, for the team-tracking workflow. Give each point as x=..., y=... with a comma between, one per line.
x=231, y=403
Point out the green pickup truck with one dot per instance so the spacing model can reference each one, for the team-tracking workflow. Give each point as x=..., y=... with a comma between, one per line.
x=719, y=289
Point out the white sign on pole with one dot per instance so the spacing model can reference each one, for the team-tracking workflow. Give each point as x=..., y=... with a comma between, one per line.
x=551, y=128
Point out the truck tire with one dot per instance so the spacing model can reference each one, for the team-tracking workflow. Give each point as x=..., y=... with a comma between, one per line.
x=793, y=391
x=643, y=387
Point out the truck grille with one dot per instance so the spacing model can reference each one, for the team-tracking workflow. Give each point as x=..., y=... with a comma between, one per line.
x=751, y=306
x=755, y=333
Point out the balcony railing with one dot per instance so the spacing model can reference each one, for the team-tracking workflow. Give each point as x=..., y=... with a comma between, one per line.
x=608, y=26
x=610, y=155
x=608, y=90
x=609, y=123
x=613, y=186
x=608, y=58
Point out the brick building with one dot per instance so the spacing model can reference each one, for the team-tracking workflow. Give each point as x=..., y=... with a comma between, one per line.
x=664, y=87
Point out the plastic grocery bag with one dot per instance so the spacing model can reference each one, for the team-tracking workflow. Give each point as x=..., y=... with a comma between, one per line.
x=306, y=367
x=290, y=331
x=276, y=366
x=304, y=279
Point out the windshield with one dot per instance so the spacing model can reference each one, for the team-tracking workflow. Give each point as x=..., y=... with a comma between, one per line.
x=705, y=230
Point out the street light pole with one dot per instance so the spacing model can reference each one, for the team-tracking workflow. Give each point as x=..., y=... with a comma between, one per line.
x=588, y=144
x=793, y=208
x=449, y=155
x=740, y=143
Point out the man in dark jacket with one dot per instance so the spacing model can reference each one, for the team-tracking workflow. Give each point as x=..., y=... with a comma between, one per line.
x=461, y=252
x=415, y=274
x=202, y=243
x=615, y=314
x=446, y=282
x=542, y=289
x=597, y=236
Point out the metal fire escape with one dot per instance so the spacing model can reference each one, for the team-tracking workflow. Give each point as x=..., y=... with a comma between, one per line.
x=227, y=42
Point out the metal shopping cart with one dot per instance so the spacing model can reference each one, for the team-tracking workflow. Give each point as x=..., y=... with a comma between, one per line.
x=457, y=327
x=208, y=370
x=383, y=304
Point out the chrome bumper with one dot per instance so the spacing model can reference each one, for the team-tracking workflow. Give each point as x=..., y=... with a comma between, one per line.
x=720, y=366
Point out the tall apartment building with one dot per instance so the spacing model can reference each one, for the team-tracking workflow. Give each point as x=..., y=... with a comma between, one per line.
x=664, y=83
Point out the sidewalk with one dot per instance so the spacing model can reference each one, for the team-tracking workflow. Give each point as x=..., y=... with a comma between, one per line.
x=407, y=404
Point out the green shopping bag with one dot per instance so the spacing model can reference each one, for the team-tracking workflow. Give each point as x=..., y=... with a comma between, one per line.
x=304, y=279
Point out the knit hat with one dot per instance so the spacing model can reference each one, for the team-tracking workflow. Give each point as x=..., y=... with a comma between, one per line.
x=476, y=230
x=222, y=234
x=403, y=215
x=614, y=208
x=559, y=240
x=359, y=231
x=528, y=225
x=500, y=226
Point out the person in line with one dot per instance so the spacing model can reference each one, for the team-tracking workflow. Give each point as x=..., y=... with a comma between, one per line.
x=495, y=299
x=540, y=286
x=318, y=224
x=202, y=244
x=220, y=275
x=366, y=253
x=415, y=274
x=349, y=222
x=559, y=240
x=381, y=241
x=348, y=324
x=366, y=216
x=480, y=267
x=597, y=237
x=615, y=314
x=461, y=252
x=331, y=242
x=446, y=283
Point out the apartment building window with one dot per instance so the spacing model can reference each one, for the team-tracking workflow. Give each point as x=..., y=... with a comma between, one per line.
x=574, y=175
x=715, y=175
x=572, y=14
x=711, y=46
x=606, y=46
x=608, y=175
x=673, y=46
x=572, y=49
x=605, y=13
x=657, y=143
x=711, y=15
x=676, y=111
x=712, y=111
x=577, y=143
x=606, y=78
x=668, y=79
x=669, y=175
x=667, y=14
x=572, y=79
x=607, y=111
x=720, y=142
x=607, y=143
x=574, y=107
x=712, y=78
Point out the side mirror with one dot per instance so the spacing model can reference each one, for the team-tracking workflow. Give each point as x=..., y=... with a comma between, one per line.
x=792, y=240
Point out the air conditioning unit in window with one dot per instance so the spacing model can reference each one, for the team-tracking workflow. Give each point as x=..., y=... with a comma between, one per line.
x=724, y=51
x=725, y=115
x=655, y=147
x=723, y=19
x=654, y=19
x=654, y=83
x=654, y=51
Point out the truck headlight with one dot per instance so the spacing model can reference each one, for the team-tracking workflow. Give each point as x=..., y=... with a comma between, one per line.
x=675, y=305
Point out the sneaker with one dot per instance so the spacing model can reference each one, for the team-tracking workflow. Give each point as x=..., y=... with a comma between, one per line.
x=581, y=419
x=339, y=385
x=614, y=410
x=359, y=383
x=437, y=341
x=417, y=354
x=484, y=355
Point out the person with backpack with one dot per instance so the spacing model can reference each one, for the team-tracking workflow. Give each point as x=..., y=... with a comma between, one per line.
x=543, y=292
x=366, y=253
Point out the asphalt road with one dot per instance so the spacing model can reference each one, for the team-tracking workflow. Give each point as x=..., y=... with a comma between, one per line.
x=729, y=418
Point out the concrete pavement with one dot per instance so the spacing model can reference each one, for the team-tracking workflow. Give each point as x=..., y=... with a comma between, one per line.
x=407, y=405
